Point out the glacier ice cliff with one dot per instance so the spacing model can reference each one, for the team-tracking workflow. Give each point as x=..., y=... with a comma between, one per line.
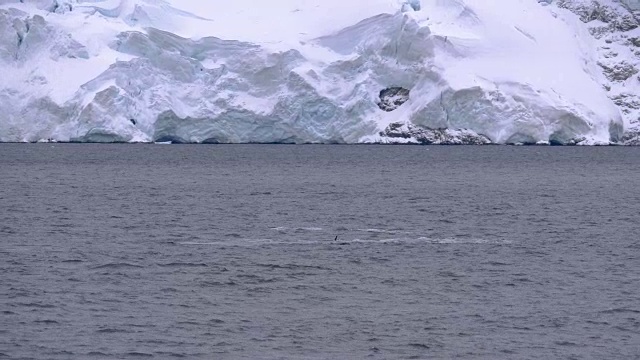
x=320, y=71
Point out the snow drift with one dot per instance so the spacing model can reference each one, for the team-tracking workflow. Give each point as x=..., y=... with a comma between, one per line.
x=472, y=71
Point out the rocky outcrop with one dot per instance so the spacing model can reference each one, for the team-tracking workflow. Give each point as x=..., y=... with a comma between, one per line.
x=614, y=18
x=392, y=98
x=616, y=27
x=619, y=71
x=408, y=133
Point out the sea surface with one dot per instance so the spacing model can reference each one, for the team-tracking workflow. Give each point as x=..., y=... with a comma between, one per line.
x=230, y=252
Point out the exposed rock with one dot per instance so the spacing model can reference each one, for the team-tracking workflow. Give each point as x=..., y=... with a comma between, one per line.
x=392, y=98
x=596, y=11
x=631, y=138
x=618, y=72
x=424, y=136
x=616, y=25
x=627, y=101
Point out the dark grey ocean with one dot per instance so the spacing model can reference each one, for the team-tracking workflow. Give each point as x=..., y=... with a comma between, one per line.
x=228, y=252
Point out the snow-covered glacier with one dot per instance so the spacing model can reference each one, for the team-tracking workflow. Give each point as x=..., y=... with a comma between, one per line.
x=312, y=71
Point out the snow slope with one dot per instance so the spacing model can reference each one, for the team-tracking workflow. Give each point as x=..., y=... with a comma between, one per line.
x=614, y=28
x=300, y=71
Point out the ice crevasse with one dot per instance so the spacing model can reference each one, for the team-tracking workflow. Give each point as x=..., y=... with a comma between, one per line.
x=315, y=71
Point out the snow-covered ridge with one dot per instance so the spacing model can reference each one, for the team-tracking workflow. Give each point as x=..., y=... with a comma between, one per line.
x=469, y=71
x=615, y=28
